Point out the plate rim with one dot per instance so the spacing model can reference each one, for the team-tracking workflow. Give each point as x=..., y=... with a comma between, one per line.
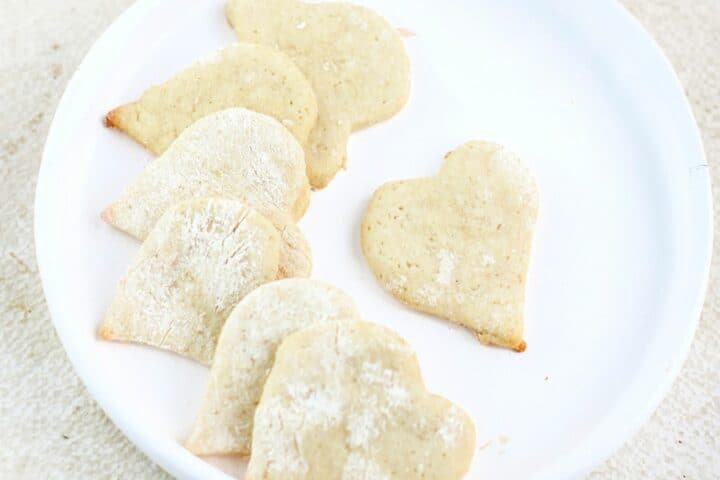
x=701, y=204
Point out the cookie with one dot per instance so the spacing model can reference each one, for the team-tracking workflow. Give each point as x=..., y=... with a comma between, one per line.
x=240, y=75
x=457, y=245
x=233, y=153
x=347, y=400
x=245, y=354
x=354, y=59
x=201, y=258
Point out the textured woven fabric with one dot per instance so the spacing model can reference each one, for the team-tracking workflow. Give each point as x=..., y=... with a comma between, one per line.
x=49, y=425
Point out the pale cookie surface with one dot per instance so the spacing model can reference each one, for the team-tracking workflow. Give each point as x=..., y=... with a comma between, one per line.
x=235, y=153
x=197, y=263
x=240, y=75
x=457, y=245
x=245, y=355
x=354, y=59
x=347, y=401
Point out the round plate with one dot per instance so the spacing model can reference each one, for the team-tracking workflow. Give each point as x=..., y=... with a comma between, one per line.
x=620, y=258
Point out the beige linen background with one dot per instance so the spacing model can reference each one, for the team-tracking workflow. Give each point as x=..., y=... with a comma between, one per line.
x=49, y=425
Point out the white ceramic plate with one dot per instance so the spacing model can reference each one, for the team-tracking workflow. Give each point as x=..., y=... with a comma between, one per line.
x=620, y=259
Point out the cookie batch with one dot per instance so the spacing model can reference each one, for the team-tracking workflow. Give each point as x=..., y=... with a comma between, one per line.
x=299, y=381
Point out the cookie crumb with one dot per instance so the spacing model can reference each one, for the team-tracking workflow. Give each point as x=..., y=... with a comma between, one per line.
x=485, y=445
x=406, y=32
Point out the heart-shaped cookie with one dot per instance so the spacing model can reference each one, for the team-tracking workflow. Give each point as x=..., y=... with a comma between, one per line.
x=235, y=153
x=457, y=245
x=245, y=354
x=201, y=258
x=240, y=75
x=354, y=59
x=347, y=400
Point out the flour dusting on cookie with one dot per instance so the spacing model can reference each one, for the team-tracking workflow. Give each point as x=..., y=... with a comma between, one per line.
x=245, y=355
x=350, y=410
x=195, y=265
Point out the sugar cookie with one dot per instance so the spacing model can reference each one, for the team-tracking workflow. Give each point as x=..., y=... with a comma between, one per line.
x=239, y=75
x=457, y=245
x=233, y=153
x=347, y=401
x=245, y=354
x=354, y=59
x=201, y=258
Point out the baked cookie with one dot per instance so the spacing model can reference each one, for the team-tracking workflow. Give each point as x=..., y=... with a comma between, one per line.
x=347, y=401
x=233, y=153
x=354, y=59
x=240, y=75
x=201, y=258
x=245, y=354
x=457, y=245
